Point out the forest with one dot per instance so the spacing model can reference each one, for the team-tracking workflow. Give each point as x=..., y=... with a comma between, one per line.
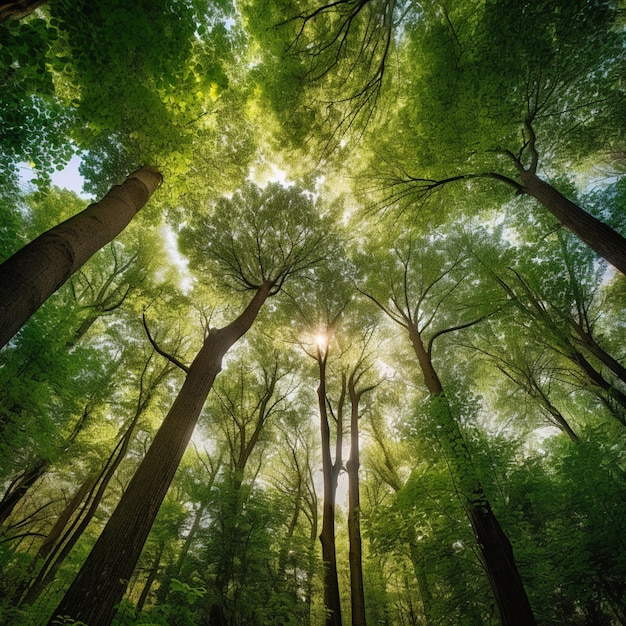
x=334, y=331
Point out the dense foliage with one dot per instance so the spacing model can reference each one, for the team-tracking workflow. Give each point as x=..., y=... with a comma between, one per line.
x=394, y=218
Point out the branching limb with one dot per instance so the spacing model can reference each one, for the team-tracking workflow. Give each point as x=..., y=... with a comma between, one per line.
x=169, y=357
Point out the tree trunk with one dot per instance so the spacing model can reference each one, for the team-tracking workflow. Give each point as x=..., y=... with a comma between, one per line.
x=330, y=472
x=495, y=548
x=600, y=237
x=152, y=574
x=102, y=580
x=20, y=486
x=586, y=340
x=354, y=513
x=34, y=273
x=18, y=10
x=60, y=544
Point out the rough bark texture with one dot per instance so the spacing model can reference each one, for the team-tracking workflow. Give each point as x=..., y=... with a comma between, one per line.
x=601, y=238
x=102, y=580
x=495, y=548
x=34, y=273
x=330, y=474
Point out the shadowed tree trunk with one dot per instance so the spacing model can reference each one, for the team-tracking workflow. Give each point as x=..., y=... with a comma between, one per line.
x=354, y=505
x=18, y=489
x=495, y=548
x=102, y=580
x=600, y=237
x=34, y=273
x=18, y=10
x=330, y=472
x=61, y=540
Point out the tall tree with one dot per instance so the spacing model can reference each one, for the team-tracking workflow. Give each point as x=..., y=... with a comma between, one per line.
x=36, y=271
x=499, y=93
x=246, y=403
x=356, y=389
x=416, y=292
x=276, y=235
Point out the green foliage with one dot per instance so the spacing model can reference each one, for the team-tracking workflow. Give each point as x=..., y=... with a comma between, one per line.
x=503, y=300
x=258, y=235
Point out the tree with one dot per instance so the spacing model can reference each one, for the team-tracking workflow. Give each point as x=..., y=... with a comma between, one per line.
x=356, y=390
x=280, y=250
x=330, y=473
x=491, y=89
x=36, y=271
x=334, y=57
x=248, y=402
x=413, y=292
x=17, y=10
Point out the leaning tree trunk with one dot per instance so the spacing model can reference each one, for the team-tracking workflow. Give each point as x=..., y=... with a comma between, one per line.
x=20, y=486
x=102, y=580
x=600, y=237
x=59, y=544
x=34, y=273
x=494, y=545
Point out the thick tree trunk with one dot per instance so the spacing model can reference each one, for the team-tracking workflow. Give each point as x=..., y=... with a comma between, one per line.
x=495, y=548
x=354, y=514
x=102, y=580
x=600, y=237
x=330, y=472
x=34, y=273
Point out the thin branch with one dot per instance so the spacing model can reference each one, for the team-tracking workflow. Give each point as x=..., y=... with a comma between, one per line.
x=169, y=357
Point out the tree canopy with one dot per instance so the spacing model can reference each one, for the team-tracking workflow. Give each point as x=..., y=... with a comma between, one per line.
x=359, y=358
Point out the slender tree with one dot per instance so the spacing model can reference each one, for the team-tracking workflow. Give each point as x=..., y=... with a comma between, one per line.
x=356, y=390
x=330, y=473
x=412, y=294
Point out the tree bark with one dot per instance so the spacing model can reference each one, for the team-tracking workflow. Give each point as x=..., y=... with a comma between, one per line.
x=34, y=273
x=102, y=580
x=18, y=10
x=354, y=513
x=494, y=545
x=600, y=237
x=330, y=473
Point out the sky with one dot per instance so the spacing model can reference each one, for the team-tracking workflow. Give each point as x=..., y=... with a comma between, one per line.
x=69, y=178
